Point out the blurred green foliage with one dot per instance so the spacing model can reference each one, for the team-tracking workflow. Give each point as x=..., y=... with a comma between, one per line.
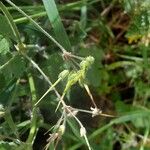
x=116, y=33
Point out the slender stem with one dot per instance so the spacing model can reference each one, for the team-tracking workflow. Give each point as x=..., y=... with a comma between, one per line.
x=93, y=135
x=13, y=94
x=90, y=94
x=34, y=127
x=50, y=89
x=32, y=88
x=24, y=19
x=61, y=101
x=119, y=64
x=81, y=126
x=90, y=112
x=11, y=123
x=145, y=138
x=43, y=74
x=133, y=58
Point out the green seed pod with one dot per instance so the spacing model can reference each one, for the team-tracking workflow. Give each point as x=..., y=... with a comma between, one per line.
x=61, y=129
x=85, y=64
x=63, y=74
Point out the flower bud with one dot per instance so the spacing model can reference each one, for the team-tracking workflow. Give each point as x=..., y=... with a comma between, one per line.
x=82, y=131
x=63, y=74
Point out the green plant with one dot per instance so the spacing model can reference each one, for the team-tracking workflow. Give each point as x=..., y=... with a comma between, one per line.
x=56, y=66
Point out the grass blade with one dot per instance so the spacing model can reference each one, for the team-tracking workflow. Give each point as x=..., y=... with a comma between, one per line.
x=56, y=23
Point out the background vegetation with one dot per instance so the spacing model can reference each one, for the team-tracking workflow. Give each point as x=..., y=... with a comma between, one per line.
x=75, y=74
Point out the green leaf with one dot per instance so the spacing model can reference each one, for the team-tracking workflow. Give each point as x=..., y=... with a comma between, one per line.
x=128, y=117
x=53, y=66
x=6, y=92
x=6, y=30
x=129, y=114
x=16, y=67
x=56, y=23
x=75, y=129
x=7, y=145
x=4, y=45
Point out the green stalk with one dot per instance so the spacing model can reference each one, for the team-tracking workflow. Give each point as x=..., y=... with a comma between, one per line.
x=147, y=130
x=50, y=89
x=24, y=19
x=27, y=8
x=13, y=95
x=32, y=88
x=9, y=120
x=34, y=127
x=133, y=58
x=119, y=64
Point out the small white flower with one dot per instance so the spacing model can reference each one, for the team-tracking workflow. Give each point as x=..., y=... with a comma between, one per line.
x=95, y=111
x=82, y=131
x=62, y=129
